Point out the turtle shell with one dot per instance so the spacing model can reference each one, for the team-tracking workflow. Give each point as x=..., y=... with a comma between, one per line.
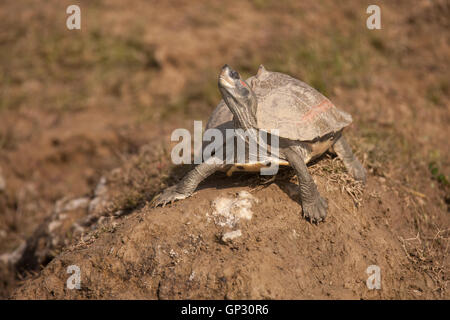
x=297, y=110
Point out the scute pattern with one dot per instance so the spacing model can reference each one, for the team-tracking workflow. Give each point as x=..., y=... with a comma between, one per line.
x=297, y=110
x=293, y=107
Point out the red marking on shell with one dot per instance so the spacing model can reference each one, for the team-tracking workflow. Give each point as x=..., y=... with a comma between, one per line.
x=243, y=83
x=317, y=109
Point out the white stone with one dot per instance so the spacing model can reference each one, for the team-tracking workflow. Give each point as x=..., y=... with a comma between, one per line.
x=101, y=188
x=230, y=236
x=227, y=212
x=76, y=204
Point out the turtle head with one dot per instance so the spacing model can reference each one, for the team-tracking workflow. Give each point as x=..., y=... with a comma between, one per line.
x=238, y=96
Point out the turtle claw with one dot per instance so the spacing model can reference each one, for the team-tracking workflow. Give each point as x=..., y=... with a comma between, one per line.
x=315, y=211
x=168, y=196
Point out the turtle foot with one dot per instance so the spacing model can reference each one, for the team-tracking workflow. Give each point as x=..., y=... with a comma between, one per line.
x=168, y=196
x=315, y=211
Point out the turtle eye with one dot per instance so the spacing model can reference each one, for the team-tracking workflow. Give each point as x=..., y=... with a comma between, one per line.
x=234, y=75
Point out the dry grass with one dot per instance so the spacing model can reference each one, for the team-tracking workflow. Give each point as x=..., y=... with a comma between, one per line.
x=333, y=170
x=429, y=254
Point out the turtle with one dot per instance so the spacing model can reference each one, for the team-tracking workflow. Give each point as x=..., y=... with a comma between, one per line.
x=308, y=124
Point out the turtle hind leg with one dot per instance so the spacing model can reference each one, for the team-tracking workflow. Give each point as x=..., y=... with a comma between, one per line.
x=314, y=206
x=354, y=167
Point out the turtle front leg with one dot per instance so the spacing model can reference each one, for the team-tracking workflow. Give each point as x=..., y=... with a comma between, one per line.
x=187, y=185
x=314, y=206
x=344, y=152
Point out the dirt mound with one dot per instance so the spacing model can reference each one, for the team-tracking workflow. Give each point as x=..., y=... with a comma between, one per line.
x=74, y=105
x=240, y=238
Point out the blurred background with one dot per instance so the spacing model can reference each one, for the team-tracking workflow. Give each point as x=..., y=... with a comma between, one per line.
x=75, y=104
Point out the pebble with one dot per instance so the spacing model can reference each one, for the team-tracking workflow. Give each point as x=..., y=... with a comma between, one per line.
x=230, y=236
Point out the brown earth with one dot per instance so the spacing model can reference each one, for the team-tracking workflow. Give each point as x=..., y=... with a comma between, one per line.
x=85, y=123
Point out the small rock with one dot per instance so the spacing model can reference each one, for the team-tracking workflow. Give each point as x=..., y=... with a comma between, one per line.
x=118, y=213
x=102, y=220
x=52, y=226
x=94, y=204
x=101, y=188
x=77, y=204
x=172, y=253
x=13, y=257
x=230, y=236
x=228, y=211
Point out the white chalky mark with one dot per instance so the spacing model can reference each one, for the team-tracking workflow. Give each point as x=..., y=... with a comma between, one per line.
x=228, y=211
x=230, y=236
